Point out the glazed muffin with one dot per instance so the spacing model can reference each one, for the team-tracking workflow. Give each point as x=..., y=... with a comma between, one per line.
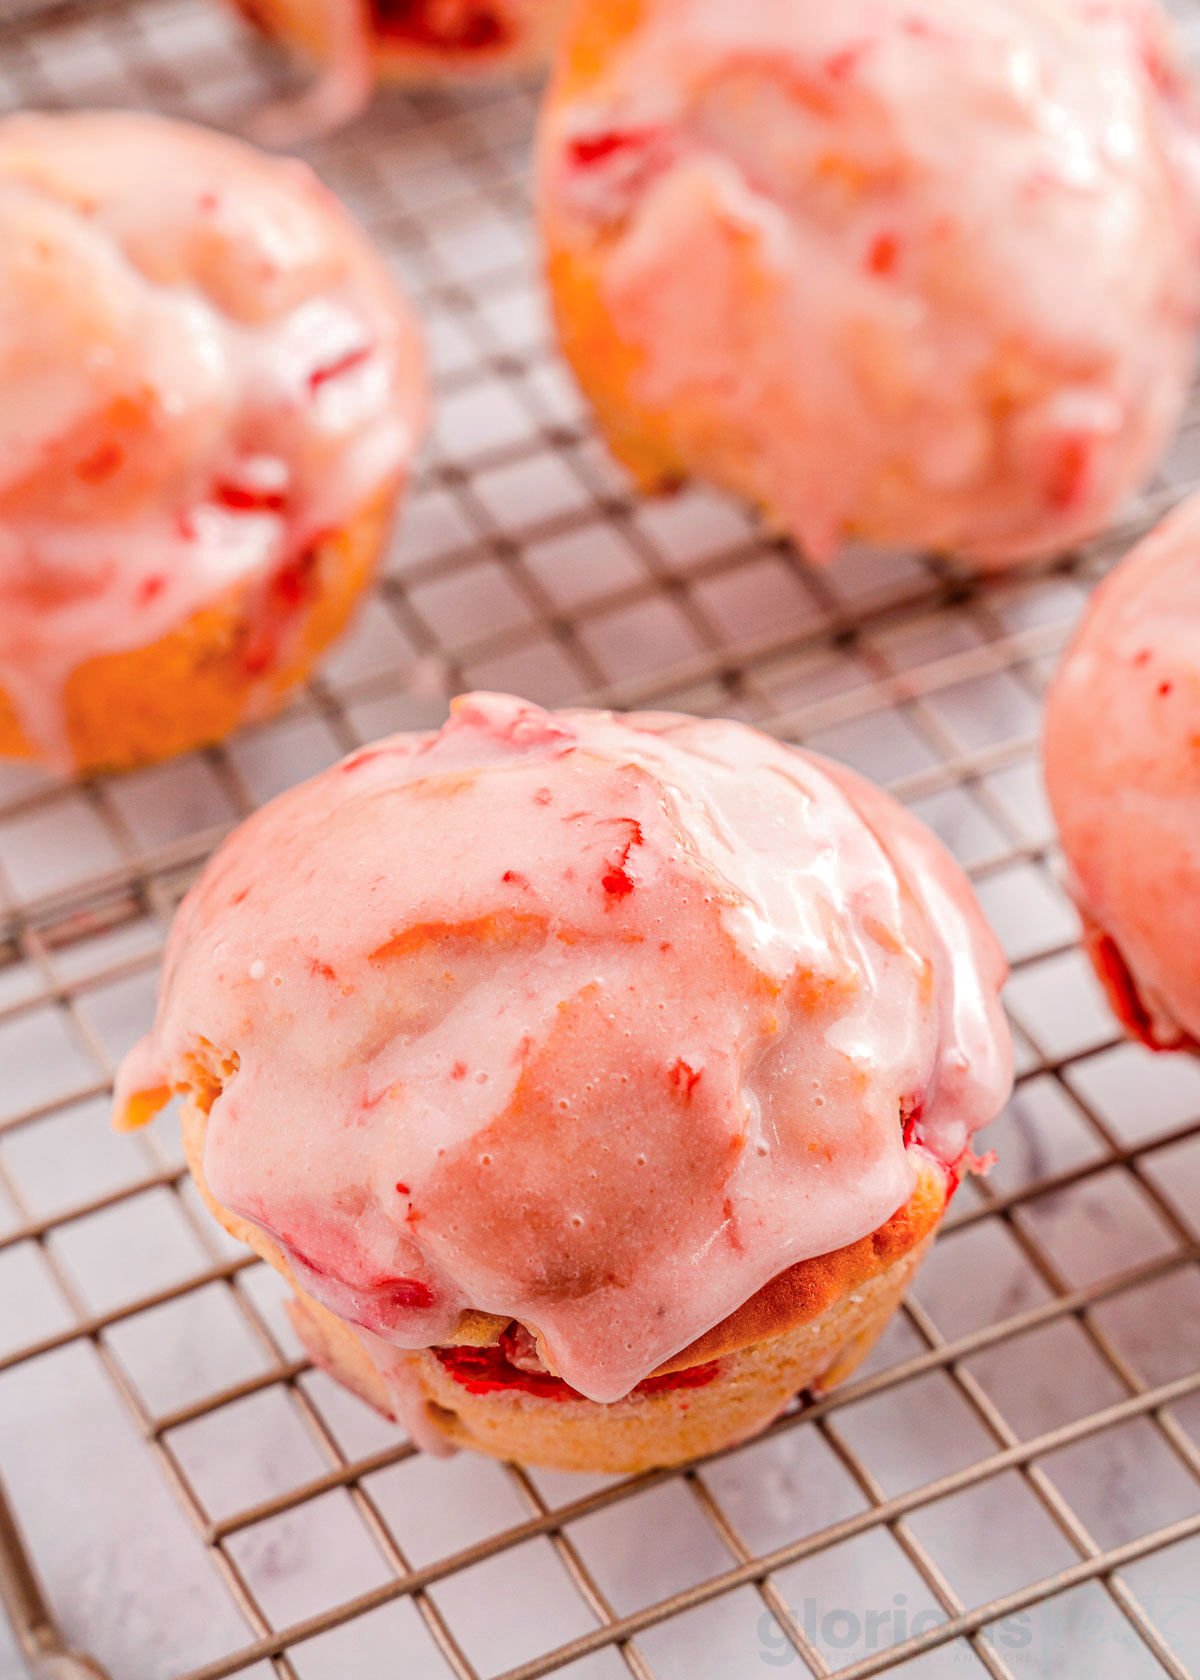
x=907, y=271
x=359, y=43
x=1123, y=770
x=597, y=1082
x=211, y=399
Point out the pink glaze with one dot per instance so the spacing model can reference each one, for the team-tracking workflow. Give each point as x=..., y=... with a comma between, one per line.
x=1123, y=768
x=500, y=1370
x=593, y=1023
x=203, y=369
x=915, y=270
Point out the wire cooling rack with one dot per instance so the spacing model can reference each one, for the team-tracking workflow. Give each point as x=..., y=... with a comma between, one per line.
x=1012, y=1487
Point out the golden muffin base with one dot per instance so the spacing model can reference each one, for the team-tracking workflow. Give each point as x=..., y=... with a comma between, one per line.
x=197, y=684
x=644, y=1432
x=809, y=1328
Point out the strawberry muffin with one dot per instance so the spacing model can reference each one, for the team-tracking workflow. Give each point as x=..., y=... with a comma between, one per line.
x=597, y=1082
x=909, y=271
x=1123, y=769
x=210, y=395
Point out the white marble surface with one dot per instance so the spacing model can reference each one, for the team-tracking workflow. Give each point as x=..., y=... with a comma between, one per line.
x=652, y=597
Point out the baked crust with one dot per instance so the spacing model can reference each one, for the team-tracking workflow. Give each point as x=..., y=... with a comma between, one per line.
x=745, y=1392
x=200, y=682
x=809, y=1327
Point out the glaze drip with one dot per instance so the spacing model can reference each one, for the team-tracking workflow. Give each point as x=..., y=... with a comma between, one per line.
x=895, y=197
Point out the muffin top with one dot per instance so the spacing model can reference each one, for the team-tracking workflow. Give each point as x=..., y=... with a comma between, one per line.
x=597, y=1023
x=204, y=368
x=1123, y=769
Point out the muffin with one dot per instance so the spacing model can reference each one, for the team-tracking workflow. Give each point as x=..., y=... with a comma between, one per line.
x=596, y=1082
x=211, y=398
x=362, y=42
x=1123, y=769
x=906, y=271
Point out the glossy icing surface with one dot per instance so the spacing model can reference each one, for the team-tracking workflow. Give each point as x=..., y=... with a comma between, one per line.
x=590, y=1022
x=203, y=369
x=906, y=269
x=1123, y=768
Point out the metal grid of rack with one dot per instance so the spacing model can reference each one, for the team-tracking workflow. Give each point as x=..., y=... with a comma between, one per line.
x=1012, y=1487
